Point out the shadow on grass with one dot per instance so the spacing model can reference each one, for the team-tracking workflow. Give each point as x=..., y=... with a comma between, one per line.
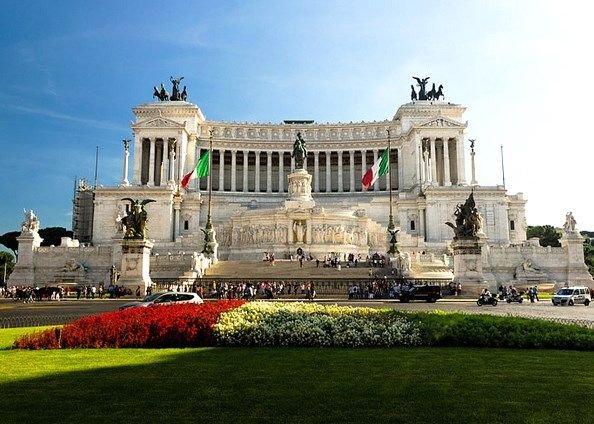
x=295, y=385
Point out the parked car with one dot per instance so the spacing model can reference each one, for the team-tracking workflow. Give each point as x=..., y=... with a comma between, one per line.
x=164, y=298
x=421, y=292
x=572, y=295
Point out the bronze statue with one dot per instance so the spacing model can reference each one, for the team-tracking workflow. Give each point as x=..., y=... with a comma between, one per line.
x=431, y=93
x=413, y=93
x=175, y=94
x=439, y=92
x=422, y=82
x=299, y=151
x=468, y=220
x=136, y=218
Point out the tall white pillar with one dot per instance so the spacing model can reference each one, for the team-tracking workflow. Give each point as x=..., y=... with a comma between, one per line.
x=292, y=164
x=363, y=165
x=125, y=181
x=245, y=171
x=151, y=179
x=268, y=172
x=400, y=169
x=138, y=161
x=316, y=172
x=446, y=164
x=352, y=170
x=257, y=173
x=376, y=184
x=433, y=163
x=281, y=172
x=340, y=179
x=171, y=149
x=328, y=173
x=460, y=166
x=221, y=170
x=233, y=170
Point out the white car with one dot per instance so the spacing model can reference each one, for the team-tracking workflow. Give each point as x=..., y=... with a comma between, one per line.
x=572, y=295
x=164, y=298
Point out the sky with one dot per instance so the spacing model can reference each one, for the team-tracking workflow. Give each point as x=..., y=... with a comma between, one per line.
x=73, y=70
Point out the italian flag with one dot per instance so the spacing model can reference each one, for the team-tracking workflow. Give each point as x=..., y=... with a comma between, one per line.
x=378, y=169
x=200, y=170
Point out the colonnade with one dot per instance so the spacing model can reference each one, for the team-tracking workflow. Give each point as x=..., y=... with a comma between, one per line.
x=158, y=159
x=441, y=161
x=267, y=172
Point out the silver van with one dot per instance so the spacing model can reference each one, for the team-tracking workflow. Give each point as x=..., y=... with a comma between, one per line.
x=572, y=295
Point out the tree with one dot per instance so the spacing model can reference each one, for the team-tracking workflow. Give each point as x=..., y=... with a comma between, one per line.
x=6, y=262
x=52, y=236
x=547, y=235
x=9, y=240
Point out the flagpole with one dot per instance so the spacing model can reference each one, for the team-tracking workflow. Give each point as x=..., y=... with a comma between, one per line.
x=391, y=227
x=209, y=234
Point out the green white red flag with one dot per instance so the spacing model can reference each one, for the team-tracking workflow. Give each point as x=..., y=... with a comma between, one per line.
x=379, y=168
x=202, y=169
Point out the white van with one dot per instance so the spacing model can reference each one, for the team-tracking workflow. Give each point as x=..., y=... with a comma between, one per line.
x=572, y=295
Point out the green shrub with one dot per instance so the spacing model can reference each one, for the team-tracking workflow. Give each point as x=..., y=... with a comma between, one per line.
x=458, y=329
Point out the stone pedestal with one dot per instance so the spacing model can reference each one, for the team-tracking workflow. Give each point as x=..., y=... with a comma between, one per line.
x=468, y=264
x=24, y=270
x=577, y=271
x=299, y=190
x=135, y=264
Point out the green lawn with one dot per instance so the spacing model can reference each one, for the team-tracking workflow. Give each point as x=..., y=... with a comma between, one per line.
x=292, y=385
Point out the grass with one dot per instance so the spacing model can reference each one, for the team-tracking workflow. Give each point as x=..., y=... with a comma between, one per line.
x=267, y=385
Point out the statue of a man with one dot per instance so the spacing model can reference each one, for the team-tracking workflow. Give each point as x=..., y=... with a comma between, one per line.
x=299, y=151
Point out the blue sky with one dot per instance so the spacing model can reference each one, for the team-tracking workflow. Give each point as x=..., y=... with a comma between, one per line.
x=72, y=71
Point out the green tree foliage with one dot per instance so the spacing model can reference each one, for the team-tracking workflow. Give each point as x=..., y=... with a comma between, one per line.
x=9, y=240
x=52, y=235
x=6, y=259
x=589, y=250
x=547, y=235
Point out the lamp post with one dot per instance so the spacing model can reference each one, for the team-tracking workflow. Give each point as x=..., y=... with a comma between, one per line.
x=391, y=227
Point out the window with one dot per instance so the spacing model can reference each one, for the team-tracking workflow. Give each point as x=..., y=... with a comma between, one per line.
x=512, y=225
x=186, y=225
x=412, y=225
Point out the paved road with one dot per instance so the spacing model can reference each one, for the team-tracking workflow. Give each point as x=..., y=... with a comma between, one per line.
x=38, y=313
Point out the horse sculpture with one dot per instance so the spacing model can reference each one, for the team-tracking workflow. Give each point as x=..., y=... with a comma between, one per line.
x=299, y=151
x=431, y=93
x=439, y=92
x=468, y=221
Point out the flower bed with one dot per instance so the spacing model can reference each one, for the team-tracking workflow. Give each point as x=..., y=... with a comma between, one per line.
x=300, y=324
x=181, y=325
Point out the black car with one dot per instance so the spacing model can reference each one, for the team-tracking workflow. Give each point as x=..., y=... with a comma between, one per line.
x=421, y=292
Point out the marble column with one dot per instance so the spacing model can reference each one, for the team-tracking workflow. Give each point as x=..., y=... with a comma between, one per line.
x=257, y=173
x=245, y=171
x=328, y=173
x=221, y=170
x=316, y=172
x=151, y=178
x=125, y=181
x=171, y=149
x=340, y=179
x=363, y=165
x=281, y=172
x=433, y=163
x=446, y=164
x=376, y=184
x=400, y=169
x=233, y=170
x=352, y=170
x=138, y=160
x=461, y=168
x=268, y=172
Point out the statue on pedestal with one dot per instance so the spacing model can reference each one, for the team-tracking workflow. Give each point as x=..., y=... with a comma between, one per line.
x=468, y=220
x=135, y=220
x=299, y=151
x=570, y=222
x=31, y=223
